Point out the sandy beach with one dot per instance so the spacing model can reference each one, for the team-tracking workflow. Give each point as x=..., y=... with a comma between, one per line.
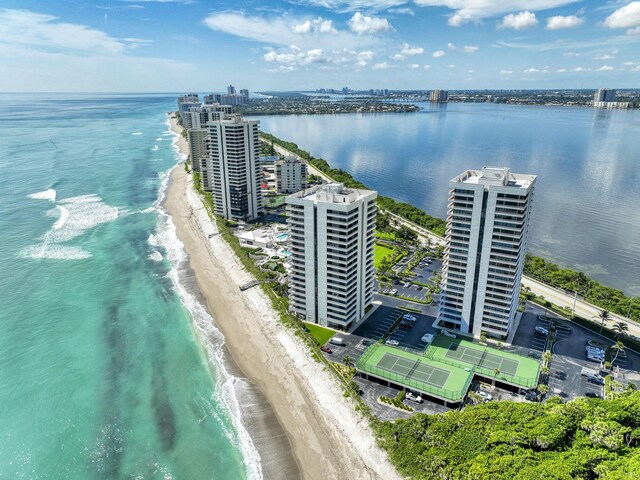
x=328, y=438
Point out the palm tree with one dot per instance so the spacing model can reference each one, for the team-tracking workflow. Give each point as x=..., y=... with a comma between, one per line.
x=603, y=315
x=543, y=389
x=545, y=370
x=621, y=328
x=618, y=347
x=546, y=356
x=348, y=361
x=496, y=372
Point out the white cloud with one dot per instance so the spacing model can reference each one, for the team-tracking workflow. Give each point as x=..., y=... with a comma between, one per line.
x=535, y=70
x=581, y=69
x=466, y=11
x=397, y=56
x=282, y=31
x=628, y=64
x=624, y=17
x=465, y=49
x=296, y=57
x=414, y=65
x=45, y=32
x=451, y=66
x=571, y=54
x=506, y=72
x=561, y=70
x=559, y=22
x=409, y=51
x=636, y=69
x=363, y=25
x=402, y=11
x=343, y=6
x=426, y=67
x=366, y=55
x=519, y=21
x=318, y=25
x=469, y=71
x=382, y=66
x=604, y=56
x=633, y=31
x=605, y=68
x=438, y=54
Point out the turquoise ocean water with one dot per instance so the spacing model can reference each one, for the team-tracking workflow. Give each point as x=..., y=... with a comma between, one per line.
x=102, y=374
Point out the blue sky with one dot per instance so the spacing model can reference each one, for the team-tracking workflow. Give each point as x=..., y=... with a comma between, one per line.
x=198, y=45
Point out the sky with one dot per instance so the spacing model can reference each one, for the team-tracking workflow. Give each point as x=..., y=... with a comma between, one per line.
x=202, y=46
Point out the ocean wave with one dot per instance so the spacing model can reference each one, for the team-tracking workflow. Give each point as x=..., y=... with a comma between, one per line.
x=136, y=133
x=155, y=256
x=49, y=194
x=76, y=215
x=159, y=139
x=155, y=148
x=54, y=252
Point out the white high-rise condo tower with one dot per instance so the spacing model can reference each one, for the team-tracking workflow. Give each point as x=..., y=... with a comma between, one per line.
x=487, y=228
x=331, y=244
x=232, y=167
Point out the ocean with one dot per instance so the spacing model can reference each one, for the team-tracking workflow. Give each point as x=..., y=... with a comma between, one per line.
x=109, y=365
x=585, y=212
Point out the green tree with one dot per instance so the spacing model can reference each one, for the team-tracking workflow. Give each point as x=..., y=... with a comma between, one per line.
x=348, y=361
x=620, y=328
x=618, y=347
x=603, y=316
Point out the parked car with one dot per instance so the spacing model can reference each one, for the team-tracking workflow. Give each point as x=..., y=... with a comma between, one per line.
x=407, y=284
x=596, y=380
x=408, y=317
x=447, y=333
x=405, y=324
x=393, y=291
x=366, y=343
x=419, y=287
x=337, y=341
x=396, y=282
x=541, y=331
x=393, y=343
x=427, y=337
x=326, y=349
x=414, y=397
x=531, y=396
x=485, y=396
x=592, y=395
x=535, y=355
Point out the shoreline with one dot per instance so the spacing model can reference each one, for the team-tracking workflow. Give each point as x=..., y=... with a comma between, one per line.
x=327, y=436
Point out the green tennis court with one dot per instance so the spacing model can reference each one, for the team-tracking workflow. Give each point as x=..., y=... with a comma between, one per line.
x=485, y=361
x=415, y=372
x=410, y=368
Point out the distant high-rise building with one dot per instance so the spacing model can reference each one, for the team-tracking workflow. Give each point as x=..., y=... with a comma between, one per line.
x=231, y=90
x=439, y=96
x=245, y=93
x=187, y=98
x=232, y=168
x=331, y=244
x=195, y=121
x=486, y=240
x=605, y=95
x=291, y=175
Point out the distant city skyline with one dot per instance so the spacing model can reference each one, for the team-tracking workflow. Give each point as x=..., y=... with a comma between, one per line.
x=190, y=45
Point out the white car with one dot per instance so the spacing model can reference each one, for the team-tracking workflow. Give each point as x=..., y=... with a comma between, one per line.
x=486, y=396
x=394, y=291
x=447, y=333
x=409, y=318
x=414, y=397
x=427, y=338
x=393, y=343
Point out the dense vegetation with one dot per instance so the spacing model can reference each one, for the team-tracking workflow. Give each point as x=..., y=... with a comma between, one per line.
x=594, y=292
x=581, y=439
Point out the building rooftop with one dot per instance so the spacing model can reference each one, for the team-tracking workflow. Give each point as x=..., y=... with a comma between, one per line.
x=332, y=193
x=495, y=176
x=290, y=159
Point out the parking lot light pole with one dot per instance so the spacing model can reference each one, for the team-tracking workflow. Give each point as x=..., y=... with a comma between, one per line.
x=575, y=299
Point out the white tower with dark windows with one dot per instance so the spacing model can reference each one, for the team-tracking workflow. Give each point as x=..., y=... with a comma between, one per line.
x=487, y=229
x=331, y=244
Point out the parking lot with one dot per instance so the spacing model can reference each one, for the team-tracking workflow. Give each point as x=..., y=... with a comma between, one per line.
x=569, y=354
x=423, y=271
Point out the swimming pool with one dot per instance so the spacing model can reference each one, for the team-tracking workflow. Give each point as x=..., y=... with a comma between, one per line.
x=283, y=236
x=286, y=253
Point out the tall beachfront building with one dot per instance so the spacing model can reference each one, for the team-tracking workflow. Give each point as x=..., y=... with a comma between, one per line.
x=604, y=95
x=232, y=167
x=331, y=244
x=487, y=228
x=195, y=121
x=439, y=96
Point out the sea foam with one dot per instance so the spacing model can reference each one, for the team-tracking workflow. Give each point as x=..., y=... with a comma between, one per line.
x=75, y=215
x=45, y=195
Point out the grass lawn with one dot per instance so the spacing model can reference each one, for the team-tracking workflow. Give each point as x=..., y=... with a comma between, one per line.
x=320, y=334
x=379, y=252
x=385, y=236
